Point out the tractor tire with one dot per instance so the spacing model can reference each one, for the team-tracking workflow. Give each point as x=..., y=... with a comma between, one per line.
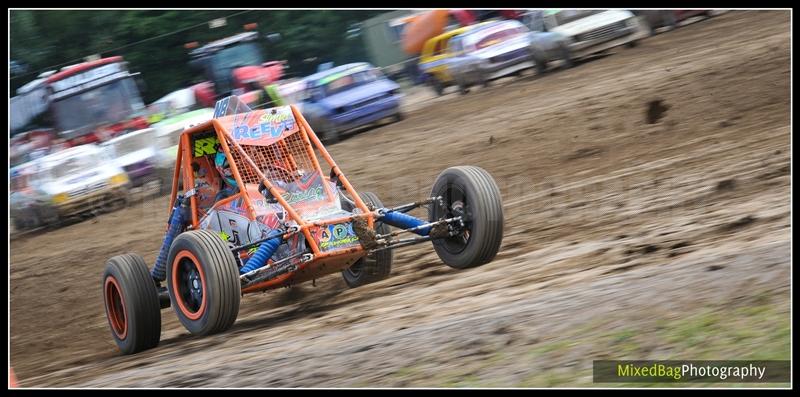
x=471, y=192
x=373, y=267
x=131, y=302
x=203, y=282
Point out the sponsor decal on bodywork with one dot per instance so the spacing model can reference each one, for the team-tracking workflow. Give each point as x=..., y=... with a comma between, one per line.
x=339, y=235
x=261, y=127
x=205, y=144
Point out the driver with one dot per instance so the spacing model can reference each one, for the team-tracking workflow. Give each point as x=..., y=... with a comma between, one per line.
x=228, y=187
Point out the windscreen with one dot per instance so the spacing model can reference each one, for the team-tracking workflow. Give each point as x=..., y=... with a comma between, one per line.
x=73, y=165
x=566, y=16
x=487, y=37
x=345, y=82
x=110, y=103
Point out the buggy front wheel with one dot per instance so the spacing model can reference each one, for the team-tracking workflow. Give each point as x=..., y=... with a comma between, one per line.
x=203, y=282
x=471, y=193
x=131, y=302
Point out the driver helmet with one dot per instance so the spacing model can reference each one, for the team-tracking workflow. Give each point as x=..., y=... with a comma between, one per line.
x=224, y=168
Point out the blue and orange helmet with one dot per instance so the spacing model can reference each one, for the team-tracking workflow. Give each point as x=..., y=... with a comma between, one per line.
x=224, y=168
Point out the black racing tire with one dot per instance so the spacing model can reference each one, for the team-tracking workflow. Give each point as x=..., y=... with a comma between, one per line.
x=131, y=302
x=373, y=267
x=566, y=57
x=399, y=116
x=632, y=44
x=463, y=88
x=329, y=133
x=540, y=63
x=203, y=282
x=470, y=191
x=669, y=20
x=21, y=223
x=436, y=85
x=50, y=218
x=165, y=181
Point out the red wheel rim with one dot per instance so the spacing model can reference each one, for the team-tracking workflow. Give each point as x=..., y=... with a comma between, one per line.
x=115, y=308
x=184, y=284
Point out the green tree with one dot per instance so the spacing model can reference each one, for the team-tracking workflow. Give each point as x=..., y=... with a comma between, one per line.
x=147, y=39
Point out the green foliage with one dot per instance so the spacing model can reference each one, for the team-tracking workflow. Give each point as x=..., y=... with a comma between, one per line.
x=48, y=40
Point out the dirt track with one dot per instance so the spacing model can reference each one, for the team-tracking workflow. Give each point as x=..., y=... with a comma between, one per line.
x=621, y=237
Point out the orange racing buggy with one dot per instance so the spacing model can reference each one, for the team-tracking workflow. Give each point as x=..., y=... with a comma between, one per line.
x=259, y=213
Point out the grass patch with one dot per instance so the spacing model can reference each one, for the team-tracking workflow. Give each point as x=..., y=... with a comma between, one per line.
x=759, y=331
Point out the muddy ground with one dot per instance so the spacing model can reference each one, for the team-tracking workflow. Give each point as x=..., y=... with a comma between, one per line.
x=646, y=196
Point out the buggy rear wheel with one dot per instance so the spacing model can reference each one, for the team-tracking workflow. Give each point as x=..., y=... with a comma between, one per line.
x=373, y=267
x=203, y=282
x=469, y=192
x=131, y=302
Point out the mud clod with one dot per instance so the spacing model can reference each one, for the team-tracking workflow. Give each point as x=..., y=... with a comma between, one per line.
x=680, y=245
x=648, y=249
x=740, y=223
x=584, y=152
x=656, y=109
x=726, y=185
x=725, y=123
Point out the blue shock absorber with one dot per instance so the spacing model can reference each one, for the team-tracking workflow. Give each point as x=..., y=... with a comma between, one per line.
x=263, y=253
x=405, y=221
x=159, y=271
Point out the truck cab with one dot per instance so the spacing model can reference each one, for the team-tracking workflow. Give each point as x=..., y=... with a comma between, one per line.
x=233, y=65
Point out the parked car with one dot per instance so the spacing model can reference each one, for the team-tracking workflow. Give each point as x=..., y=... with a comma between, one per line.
x=593, y=31
x=347, y=97
x=669, y=18
x=168, y=132
x=435, y=57
x=29, y=208
x=137, y=154
x=502, y=48
x=78, y=181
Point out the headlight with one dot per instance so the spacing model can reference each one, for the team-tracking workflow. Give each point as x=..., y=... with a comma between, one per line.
x=60, y=198
x=119, y=179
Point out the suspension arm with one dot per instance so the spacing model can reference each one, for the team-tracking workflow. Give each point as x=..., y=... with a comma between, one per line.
x=402, y=243
x=431, y=227
x=282, y=266
x=411, y=206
